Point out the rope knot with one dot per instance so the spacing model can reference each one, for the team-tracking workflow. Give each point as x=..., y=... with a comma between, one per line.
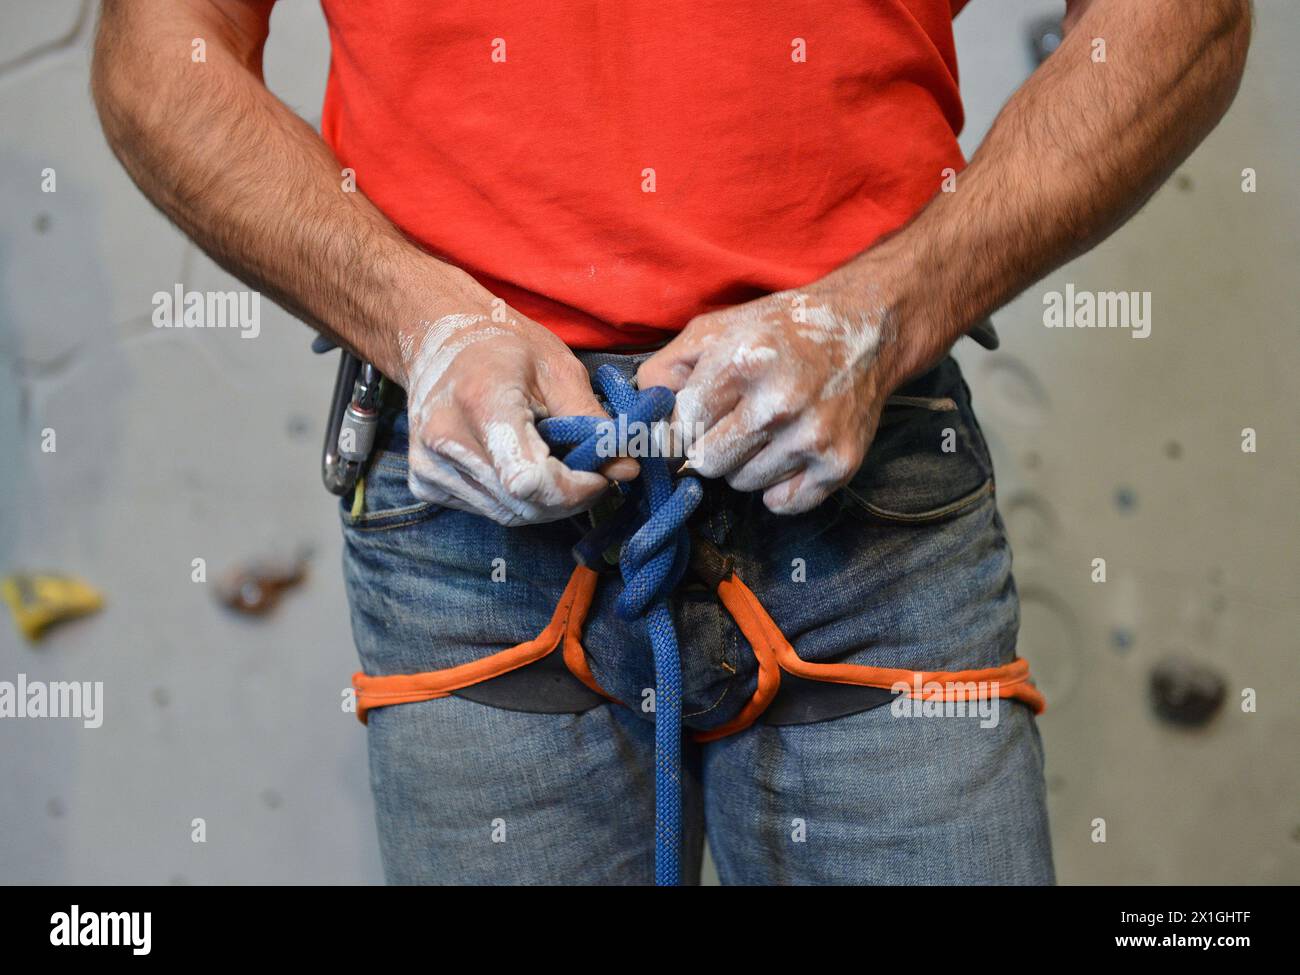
x=651, y=523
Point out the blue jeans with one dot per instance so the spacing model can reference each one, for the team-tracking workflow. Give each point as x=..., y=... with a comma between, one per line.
x=908, y=566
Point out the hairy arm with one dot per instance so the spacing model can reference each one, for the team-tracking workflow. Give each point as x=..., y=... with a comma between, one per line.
x=259, y=191
x=1075, y=151
x=251, y=182
x=1073, y=154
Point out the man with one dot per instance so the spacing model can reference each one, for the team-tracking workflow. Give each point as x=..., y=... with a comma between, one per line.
x=764, y=210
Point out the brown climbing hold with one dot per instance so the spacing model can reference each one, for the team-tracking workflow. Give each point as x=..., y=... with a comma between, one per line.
x=255, y=589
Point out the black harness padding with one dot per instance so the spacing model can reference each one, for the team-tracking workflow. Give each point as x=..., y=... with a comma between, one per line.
x=803, y=701
x=544, y=686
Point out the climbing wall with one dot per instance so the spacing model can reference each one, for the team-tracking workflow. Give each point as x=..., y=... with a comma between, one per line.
x=1129, y=450
x=175, y=446
x=172, y=445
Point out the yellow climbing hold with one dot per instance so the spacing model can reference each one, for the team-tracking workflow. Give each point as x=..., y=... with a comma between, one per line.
x=39, y=601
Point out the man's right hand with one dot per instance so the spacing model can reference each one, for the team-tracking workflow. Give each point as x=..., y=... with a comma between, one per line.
x=258, y=190
x=475, y=391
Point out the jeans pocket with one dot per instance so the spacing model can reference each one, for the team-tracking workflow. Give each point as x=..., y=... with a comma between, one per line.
x=383, y=500
x=928, y=462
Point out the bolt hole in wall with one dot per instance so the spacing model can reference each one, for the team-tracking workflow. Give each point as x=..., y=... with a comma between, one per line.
x=1105, y=448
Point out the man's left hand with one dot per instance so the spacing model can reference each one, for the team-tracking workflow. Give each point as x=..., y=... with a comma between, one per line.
x=783, y=394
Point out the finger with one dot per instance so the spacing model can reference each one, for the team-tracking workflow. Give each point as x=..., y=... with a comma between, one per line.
x=527, y=479
x=801, y=492
x=621, y=469
x=449, y=456
x=727, y=445
x=556, y=479
x=739, y=435
x=672, y=365
x=438, y=479
x=782, y=498
x=713, y=391
x=569, y=393
x=775, y=462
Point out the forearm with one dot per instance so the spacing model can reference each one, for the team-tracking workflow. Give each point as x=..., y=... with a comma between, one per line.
x=250, y=181
x=1078, y=148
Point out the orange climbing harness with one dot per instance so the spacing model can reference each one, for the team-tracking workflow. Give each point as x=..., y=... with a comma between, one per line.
x=771, y=649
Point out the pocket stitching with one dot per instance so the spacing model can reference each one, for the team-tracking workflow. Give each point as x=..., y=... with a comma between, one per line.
x=360, y=525
x=376, y=521
x=923, y=517
x=367, y=523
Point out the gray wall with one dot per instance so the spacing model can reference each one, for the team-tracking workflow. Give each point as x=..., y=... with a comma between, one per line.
x=176, y=445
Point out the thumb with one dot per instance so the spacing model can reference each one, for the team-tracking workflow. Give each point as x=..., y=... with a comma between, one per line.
x=672, y=365
x=572, y=395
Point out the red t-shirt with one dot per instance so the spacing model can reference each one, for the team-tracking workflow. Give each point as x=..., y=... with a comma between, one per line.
x=521, y=141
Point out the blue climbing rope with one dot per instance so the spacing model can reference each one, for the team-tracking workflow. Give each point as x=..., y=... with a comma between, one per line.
x=651, y=527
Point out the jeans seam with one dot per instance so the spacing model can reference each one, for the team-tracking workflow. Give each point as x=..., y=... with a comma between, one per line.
x=924, y=517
